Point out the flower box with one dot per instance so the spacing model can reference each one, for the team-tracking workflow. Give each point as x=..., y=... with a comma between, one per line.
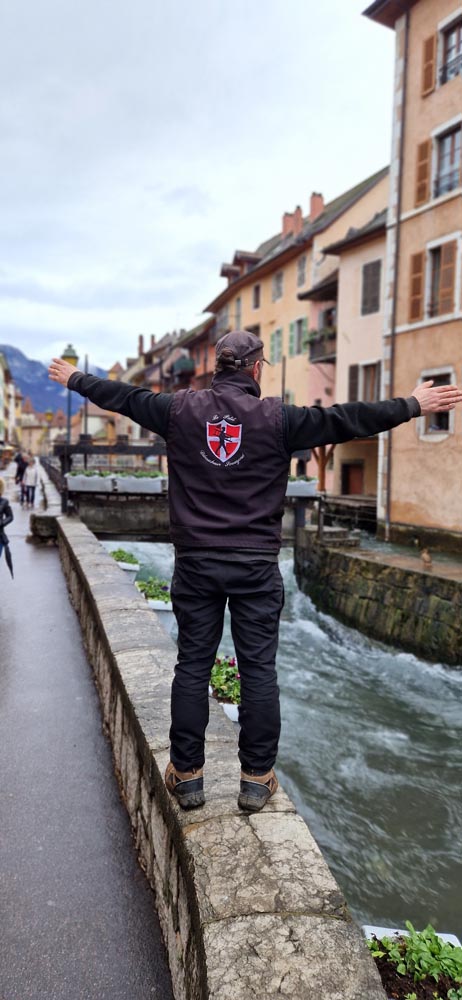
x=232, y=711
x=302, y=488
x=131, y=569
x=370, y=931
x=88, y=484
x=135, y=484
x=115, y=484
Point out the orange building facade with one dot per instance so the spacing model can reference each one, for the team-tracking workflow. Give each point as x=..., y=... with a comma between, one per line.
x=420, y=465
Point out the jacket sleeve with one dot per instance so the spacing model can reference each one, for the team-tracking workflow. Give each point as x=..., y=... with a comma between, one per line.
x=310, y=426
x=149, y=409
x=6, y=516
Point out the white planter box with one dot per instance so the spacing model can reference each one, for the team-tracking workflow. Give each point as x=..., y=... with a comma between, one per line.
x=89, y=484
x=232, y=711
x=131, y=569
x=159, y=605
x=133, y=484
x=301, y=488
x=115, y=484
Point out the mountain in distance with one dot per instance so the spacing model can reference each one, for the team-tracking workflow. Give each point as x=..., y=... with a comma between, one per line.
x=31, y=377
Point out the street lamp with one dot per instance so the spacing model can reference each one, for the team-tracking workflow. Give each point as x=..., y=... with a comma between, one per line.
x=48, y=417
x=72, y=358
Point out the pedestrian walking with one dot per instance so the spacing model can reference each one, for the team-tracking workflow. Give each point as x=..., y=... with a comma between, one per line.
x=229, y=455
x=22, y=462
x=30, y=481
x=6, y=517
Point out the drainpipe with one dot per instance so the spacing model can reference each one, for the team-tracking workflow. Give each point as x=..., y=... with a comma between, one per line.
x=396, y=267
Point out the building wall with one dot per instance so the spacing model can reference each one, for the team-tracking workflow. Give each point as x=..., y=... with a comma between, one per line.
x=430, y=343
x=359, y=342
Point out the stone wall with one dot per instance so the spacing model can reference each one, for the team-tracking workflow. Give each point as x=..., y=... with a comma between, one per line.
x=247, y=905
x=416, y=611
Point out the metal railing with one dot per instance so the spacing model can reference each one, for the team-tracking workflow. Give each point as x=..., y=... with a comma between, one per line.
x=447, y=182
x=451, y=69
x=323, y=347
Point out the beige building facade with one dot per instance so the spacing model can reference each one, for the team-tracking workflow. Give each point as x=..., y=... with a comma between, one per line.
x=420, y=465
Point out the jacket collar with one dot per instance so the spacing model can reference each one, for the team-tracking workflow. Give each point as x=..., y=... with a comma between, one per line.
x=237, y=380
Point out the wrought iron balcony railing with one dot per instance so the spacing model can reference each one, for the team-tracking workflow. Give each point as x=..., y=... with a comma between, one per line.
x=451, y=69
x=323, y=345
x=447, y=182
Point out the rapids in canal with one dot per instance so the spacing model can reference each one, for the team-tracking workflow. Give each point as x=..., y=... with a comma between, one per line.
x=371, y=755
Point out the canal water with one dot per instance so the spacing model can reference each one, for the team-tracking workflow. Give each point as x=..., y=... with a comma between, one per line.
x=371, y=755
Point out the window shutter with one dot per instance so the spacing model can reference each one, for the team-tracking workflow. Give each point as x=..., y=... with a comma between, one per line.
x=305, y=343
x=353, y=383
x=422, y=187
x=272, y=346
x=416, y=298
x=429, y=65
x=378, y=380
x=291, y=340
x=447, y=277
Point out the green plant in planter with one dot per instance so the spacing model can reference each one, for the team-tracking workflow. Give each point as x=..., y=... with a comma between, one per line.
x=225, y=679
x=422, y=955
x=120, y=555
x=155, y=589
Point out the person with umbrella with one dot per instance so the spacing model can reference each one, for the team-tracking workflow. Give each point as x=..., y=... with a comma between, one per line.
x=6, y=517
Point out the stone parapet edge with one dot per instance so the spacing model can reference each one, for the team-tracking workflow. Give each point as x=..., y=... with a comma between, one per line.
x=247, y=904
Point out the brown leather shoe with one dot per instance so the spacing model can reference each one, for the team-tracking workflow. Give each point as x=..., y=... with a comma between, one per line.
x=256, y=789
x=186, y=786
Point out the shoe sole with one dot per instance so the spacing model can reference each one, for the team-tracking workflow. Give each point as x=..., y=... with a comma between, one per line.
x=193, y=801
x=251, y=804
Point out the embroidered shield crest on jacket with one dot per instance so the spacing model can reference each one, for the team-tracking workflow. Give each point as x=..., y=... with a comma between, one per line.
x=224, y=439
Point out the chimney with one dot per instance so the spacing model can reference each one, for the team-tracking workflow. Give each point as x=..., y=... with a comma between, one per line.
x=316, y=205
x=140, y=345
x=287, y=224
x=298, y=221
x=292, y=222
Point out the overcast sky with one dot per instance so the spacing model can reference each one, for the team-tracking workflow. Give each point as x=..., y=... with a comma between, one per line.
x=143, y=142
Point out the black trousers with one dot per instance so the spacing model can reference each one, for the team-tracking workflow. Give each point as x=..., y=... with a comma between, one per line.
x=201, y=586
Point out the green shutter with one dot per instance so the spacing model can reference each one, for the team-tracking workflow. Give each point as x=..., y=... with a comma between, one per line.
x=291, y=340
x=272, y=347
x=305, y=334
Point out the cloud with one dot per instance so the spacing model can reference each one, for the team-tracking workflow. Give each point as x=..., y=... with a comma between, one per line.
x=141, y=144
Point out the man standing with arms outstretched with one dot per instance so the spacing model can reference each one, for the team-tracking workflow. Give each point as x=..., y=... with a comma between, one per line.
x=226, y=508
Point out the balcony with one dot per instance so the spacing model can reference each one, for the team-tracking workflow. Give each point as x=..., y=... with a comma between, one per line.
x=447, y=182
x=184, y=366
x=451, y=69
x=323, y=345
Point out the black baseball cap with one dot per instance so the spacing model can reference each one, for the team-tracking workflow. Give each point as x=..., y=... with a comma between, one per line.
x=245, y=346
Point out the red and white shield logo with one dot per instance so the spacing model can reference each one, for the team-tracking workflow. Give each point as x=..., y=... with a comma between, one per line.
x=224, y=439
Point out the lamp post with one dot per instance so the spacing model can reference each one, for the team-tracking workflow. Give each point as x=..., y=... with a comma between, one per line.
x=48, y=417
x=69, y=355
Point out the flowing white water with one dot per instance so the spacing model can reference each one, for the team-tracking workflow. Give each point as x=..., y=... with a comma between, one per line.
x=371, y=754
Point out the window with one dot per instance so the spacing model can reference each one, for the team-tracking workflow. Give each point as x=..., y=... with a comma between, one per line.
x=437, y=423
x=442, y=279
x=238, y=314
x=452, y=52
x=327, y=319
x=198, y=356
x=277, y=286
x=301, y=271
x=364, y=382
x=256, y=297
x=276, y=347
x=223, y=321
x=370, y=299
x=371, y=382
x=298, y=334
x=449, y=158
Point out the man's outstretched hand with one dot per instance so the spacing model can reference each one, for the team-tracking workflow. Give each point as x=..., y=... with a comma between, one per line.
x=61, y=371
x=436, y=398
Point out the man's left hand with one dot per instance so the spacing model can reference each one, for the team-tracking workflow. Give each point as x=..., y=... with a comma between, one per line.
x=61, y=371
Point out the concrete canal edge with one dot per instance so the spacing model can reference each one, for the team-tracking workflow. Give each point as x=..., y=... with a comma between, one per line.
x=247, y=904
x=410, y=609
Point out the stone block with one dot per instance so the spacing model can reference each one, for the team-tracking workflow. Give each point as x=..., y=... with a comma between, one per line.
x=297, y=957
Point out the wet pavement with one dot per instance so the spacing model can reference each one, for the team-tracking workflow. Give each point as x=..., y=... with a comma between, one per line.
x=77, y=916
